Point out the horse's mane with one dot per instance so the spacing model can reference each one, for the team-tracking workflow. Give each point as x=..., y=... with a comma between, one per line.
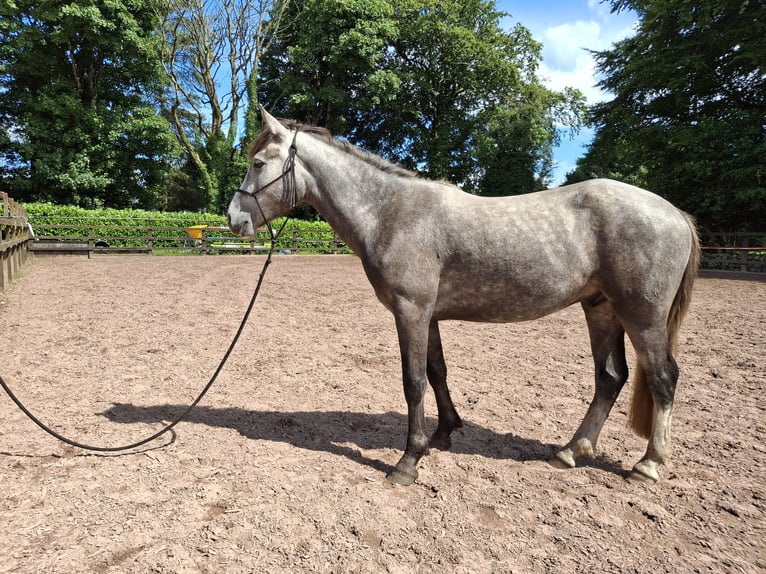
x=324, y=134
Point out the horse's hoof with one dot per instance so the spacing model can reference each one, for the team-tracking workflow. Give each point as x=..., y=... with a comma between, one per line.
x=402, y=477
x=562, y=459
x=644, y=472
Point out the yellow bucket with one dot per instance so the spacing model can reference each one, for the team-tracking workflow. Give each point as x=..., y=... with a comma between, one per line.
x=195, y=231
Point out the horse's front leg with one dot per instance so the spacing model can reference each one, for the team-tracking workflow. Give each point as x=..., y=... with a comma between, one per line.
x=412, y=328
x=437, y=376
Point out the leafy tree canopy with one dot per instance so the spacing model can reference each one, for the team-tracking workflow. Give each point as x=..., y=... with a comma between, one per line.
x=76, y=121
x=687, y=119
x=89, y=90
x=437, y=86
x=210, y=55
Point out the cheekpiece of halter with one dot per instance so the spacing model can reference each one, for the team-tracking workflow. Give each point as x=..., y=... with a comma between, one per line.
x=288, y=170
x=288, y=174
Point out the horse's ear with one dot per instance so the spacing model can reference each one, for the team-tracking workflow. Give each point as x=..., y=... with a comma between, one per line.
x=272, y=124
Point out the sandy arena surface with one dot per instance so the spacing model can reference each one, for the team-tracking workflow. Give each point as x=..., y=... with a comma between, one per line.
x=282, y=467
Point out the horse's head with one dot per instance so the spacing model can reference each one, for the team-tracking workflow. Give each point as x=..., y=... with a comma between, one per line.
x=270, y=188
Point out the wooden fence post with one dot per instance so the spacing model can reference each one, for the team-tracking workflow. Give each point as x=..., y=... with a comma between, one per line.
x=14, y=237
x=743, y=256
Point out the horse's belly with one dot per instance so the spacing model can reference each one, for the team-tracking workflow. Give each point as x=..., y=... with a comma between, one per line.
x=507, y=301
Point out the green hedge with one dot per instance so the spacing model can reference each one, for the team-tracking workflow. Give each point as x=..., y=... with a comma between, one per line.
x=129, y=227
x=41, y=214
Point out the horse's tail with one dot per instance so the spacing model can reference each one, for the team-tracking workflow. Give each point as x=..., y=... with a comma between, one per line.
x=642, y=406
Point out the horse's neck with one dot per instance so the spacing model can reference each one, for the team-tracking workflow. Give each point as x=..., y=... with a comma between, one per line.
x=349, y=193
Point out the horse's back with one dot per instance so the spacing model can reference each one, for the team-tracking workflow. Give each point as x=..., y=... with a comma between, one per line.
x=611, y=217
x=542, y=251
x=588, y=222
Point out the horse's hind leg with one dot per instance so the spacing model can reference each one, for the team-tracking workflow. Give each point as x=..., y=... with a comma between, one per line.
x=437, y=377
x=607, y=340
x=655, y=386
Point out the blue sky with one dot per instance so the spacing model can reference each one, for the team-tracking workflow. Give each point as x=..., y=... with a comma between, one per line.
x=567, y=28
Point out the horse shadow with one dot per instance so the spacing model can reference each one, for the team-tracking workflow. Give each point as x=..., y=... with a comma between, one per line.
x=335, y=431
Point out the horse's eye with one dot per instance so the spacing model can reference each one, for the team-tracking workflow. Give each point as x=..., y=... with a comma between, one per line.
x=258, y=164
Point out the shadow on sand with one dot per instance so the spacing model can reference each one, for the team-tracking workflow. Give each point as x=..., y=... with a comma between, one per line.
x=335, y=431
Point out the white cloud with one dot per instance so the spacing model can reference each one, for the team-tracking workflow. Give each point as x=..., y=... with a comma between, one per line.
x=563, y=44
x=567, y=30
x=600, y=8
x=566, y=60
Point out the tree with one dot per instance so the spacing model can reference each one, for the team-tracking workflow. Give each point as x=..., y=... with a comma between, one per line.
x=205, y=42
x=76, y=116
x=432, y=85
x=515, y=149
x=687, y=119
x=326, y=66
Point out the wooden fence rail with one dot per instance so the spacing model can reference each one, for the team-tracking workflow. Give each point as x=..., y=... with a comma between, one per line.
x=734, y=251
x=14, y=236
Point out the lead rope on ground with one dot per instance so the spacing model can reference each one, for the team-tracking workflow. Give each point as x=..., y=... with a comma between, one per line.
x=183, y=415
x=288, y=174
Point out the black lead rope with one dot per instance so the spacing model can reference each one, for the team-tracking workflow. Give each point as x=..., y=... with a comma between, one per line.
x=178, y=419
x=288, y=173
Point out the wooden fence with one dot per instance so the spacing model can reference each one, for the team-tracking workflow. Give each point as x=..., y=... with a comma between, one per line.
x=744, y=252
x=14, y=236
x=95, y=239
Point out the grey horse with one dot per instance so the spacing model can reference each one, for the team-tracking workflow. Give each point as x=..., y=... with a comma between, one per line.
x=433, y=252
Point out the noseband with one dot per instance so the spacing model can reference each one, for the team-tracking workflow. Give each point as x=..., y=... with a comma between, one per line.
x=288, y=174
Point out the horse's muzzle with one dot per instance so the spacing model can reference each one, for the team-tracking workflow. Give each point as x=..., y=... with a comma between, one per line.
x=240, y=224
x=233, y=228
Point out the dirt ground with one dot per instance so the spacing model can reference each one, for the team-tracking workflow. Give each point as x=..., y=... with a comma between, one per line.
x=282, y=467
